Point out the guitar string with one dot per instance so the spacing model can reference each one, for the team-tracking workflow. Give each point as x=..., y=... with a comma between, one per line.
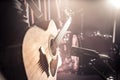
x=58, y=39
x=62, y=32
x=64, y=29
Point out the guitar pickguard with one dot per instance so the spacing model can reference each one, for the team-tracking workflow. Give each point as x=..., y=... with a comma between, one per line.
x=43, y=64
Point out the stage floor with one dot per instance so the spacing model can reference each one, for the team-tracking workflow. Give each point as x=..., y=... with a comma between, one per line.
x=71, y=76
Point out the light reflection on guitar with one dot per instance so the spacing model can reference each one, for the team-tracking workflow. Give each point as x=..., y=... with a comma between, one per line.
x=39, y=51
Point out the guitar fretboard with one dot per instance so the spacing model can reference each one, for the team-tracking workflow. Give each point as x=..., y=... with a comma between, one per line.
x=63, y=31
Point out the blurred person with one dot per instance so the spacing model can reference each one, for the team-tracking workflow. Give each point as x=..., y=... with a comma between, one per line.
x=13, y=28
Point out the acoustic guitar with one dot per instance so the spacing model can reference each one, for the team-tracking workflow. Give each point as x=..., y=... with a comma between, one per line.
x=39, y=51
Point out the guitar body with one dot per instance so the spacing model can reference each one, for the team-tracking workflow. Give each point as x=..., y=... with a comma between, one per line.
x=36, y=46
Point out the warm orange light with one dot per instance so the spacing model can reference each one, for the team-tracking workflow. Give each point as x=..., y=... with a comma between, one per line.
x=115, y=3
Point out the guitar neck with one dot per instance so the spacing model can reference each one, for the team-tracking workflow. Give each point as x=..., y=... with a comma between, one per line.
x=61, y=34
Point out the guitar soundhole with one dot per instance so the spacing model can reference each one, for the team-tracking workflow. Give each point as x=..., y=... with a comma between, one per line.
x=53, y=66
x=53, y=47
